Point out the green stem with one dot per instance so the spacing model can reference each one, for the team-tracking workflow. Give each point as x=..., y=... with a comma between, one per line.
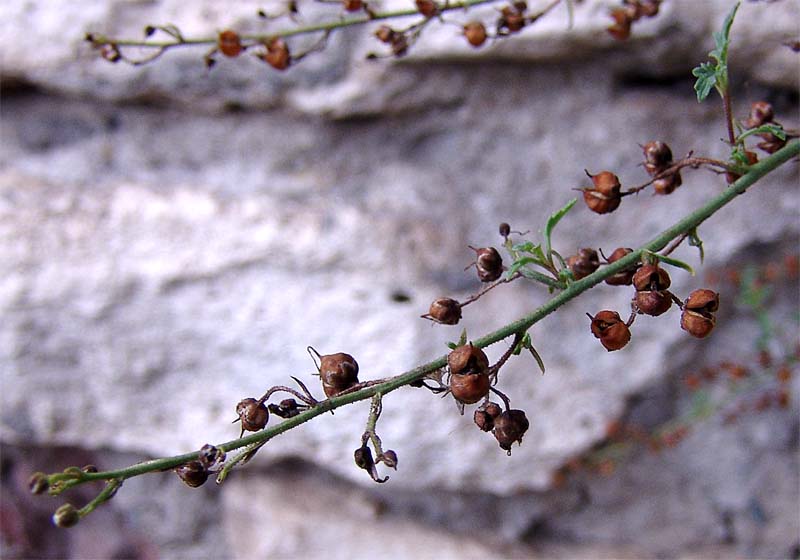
x=689, y=223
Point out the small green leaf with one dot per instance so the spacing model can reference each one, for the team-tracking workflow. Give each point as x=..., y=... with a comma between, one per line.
x=462, y=340
x=525, y=247
x=673, y=262
x=536, y=357
x=771, y=128
x=706, y=79
x=519, y=263
x=553, y=220
x=452, y=345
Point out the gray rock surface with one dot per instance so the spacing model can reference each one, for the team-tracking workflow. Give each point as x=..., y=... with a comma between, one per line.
x=173, y=239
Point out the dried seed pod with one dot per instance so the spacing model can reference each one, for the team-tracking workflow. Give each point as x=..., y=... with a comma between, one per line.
x=469, y=388
x=613, y=333
x=89, y=469
x=363, y=458
x=606, y=194
x=427, y=8
x=475, y=32
x=485, y=414
x=489, y=264
x=389, y=458
x=666, y=185
x=352, y=5
x=338, y=372
x=468, y=359
x=584, y=263
x=761, y=113
x=446, y=311
x=399, y=44
x=657, y=157
x=649, y=8
x=287, y=408
x=66, y=516
x=624, y=277
x=509, y=428
x=653, y=303
x=771, y=143
x=651, y=277
x=38, y=483
x=469, y=374
x=209, y=455
x=277, y=55
x=253, y=414
x=512, y=19
x=505, y=229
x=621, y=28
x=698, y=313
x=385, y=34
x=229, y=43
x=193, y=473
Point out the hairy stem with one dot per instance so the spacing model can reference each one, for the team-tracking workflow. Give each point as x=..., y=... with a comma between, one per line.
x=687, y=224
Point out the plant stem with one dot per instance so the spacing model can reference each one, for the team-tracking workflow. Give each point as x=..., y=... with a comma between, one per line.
x=687, y=224
x=314, y=28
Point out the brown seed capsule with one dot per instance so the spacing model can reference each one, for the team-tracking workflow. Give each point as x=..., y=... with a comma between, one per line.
x=389, y=458
x=649, y=8
x=613, y=333
x=468, y=359
x=606, y=195
x=193, y=473
x=209, y=455
x=771, y=143
x=38, y=483
x=399, y=44
x=352, y=5
x=363, y=458
x=485, y=414
x=505, y=229
x=584, y=263
x=287, y=408
x=698, y=312
x=511, y=19
x=277, y=54
x=624, y=277
x=446, y=311
x=253, y=414
x=489, y=264
x=338, y=372
x=427, y=8
x=651, y=277
x=509, y=428
x=475, y=32
x=229, y=43
x=469, y=388
x=668, y=184
x=621, y=28
x=657, y=157
x=66, y=516
x=385, y=34
x=761, y=112
x=653, y=303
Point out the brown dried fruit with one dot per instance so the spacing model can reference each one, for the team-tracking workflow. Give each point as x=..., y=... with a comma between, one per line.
x=253, y=414
x=475, y=32
x=446, y=311
x=606, y=194
x=651, y=277
x=229, y=43
x=489, y=264
x=584, y=263
x=653, y=303
x=613, y=333
x=338, y=372
x=624, y=277
x=510, y=427
x=277, y=54
x=193, y=473
x=698, y=313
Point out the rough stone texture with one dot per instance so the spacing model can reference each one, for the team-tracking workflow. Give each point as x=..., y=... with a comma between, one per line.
x=164, y=258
